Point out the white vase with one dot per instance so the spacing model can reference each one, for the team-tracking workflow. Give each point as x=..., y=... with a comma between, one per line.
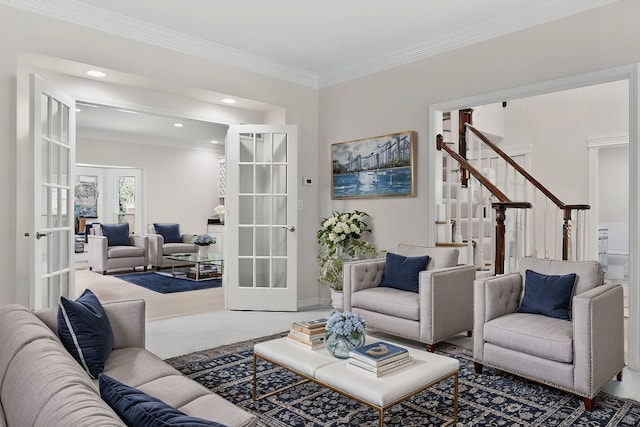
x=221, y=218
x=203, y=251
x=337, y=300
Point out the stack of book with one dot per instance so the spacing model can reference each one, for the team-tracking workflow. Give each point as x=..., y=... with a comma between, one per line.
x=379, y=358
x=308, y=334
x=206, y=272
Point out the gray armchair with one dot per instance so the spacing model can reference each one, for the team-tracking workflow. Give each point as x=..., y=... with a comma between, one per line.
x=579, y=355
x=442, y=307
x=167, y=239
x=111, y=247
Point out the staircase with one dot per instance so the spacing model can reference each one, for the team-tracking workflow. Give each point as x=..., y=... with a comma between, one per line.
x=495, y=211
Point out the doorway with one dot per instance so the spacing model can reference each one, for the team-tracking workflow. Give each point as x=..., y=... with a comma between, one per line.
x=625, y=74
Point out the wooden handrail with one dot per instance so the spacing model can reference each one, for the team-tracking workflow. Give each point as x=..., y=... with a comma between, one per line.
x=440, y=145
x=559, y=203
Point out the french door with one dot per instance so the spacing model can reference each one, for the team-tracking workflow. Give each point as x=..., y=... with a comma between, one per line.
x=52, y=135
x=261, y=218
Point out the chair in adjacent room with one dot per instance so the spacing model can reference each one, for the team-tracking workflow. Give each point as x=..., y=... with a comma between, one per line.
x=553, y=322
x=112, y=247
x=419, y=292
x=167, y=239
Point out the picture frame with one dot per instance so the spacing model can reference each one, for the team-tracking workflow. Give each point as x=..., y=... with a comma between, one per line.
x=380, y=166
x=86, y=196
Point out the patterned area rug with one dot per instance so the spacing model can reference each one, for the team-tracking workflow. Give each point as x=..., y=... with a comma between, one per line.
x=168, y=285
x=491, y=399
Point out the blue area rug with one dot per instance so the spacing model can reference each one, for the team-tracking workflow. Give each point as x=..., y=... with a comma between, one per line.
x=167, y=285
x=493, y=398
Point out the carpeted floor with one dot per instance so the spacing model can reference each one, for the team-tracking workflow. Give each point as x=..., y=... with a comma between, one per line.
x=491, y=399
x=167, y=285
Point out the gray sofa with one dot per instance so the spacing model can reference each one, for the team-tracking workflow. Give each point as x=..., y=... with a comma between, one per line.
x=42, y=385
x=443, y=306
x=579, y=355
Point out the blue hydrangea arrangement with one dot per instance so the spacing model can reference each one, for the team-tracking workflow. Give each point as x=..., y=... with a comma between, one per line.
x=345, y=324
x=203, y=240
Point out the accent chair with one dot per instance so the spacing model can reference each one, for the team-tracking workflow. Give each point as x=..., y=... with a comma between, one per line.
x=525, y=326
x=112, y=247
x=167, y=239
x=419, y=292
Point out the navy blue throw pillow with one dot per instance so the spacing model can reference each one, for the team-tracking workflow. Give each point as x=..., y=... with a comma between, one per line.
x=403, y=272
x=548, y=295
x=138, y=409
x=169, y=232
x=85, y=331
x=116, y=234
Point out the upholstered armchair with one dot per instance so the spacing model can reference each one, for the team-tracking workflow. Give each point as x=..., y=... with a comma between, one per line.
x=549, y=326
x=404, y=295
x=111, y=247
x=167, y=239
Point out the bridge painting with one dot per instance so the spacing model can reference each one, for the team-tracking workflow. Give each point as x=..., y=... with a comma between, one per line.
x=374, y=167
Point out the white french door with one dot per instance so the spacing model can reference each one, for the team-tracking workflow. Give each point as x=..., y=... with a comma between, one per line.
x=261, y=218
x=52, y=135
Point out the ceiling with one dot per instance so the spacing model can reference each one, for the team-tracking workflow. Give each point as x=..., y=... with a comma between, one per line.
x=103, y=123
x=315, y=43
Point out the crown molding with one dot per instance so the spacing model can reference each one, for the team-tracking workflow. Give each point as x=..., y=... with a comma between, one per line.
x=93, y=17
x=487, y=30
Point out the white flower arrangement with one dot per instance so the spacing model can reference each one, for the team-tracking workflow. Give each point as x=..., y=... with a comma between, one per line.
x=203, y=240
x=342, y=235
x=219, y=210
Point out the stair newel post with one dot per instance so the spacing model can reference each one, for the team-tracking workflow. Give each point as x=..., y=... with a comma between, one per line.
x=566, y=234
x=500, y=232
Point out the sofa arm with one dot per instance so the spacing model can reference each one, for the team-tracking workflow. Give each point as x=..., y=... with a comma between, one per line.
x=141, y=242
x=156, y=241
x=359, y=275
x=446, y=302
x=98, y=246
x=598, y=334
x=188, y=237
x=127, y=319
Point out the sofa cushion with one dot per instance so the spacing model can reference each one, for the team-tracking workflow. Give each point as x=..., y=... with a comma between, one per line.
x=535, y=334
x=139, y=409
x=547, y=294
x=169, y=232
x=116, y=234
x=85, y=331
x=124, y=252
x=390, y=301
x=44, y=386
x=401, y=272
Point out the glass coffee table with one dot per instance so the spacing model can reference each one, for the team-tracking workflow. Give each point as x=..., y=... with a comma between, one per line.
x=195, y=267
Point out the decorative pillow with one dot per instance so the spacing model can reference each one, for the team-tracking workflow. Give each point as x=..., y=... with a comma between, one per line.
x=85, y=331
x=170, y=232
x=403, y=272
x=116, y=234
x=548, y=295
x=138, y=409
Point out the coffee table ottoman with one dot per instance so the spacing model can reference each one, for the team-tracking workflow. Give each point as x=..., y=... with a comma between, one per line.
x=426, y=370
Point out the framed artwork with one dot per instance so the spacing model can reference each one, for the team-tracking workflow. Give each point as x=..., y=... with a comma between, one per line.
x=382, y=166
x=86, y=196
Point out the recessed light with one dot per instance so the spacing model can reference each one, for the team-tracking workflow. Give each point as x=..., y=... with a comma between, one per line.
x=178, y=125
x=228, y=100
x=78, y=110
x=215, y=142
x=96, y=73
